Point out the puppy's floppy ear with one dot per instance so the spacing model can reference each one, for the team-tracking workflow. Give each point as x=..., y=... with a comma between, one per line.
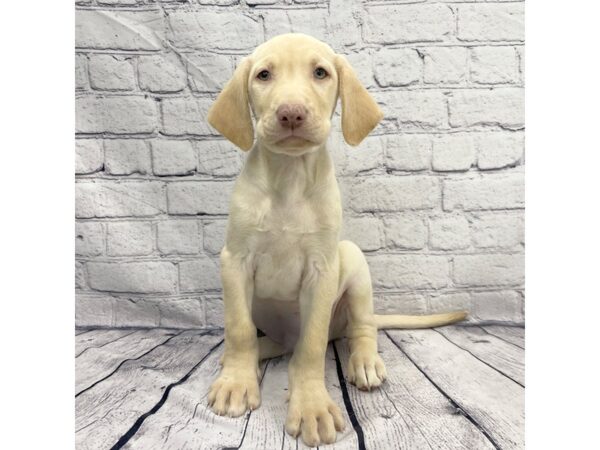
x=230, y=113
x=360, y=113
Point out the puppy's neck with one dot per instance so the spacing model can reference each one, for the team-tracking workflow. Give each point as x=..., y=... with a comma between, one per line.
x=289, y=175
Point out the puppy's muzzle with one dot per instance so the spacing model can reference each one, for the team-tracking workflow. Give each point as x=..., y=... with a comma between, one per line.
x=291, y=115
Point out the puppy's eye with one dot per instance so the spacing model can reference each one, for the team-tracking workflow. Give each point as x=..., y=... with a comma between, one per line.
x=320, y=73
x=264, y=75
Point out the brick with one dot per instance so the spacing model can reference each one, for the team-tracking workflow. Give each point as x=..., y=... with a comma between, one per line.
x=80, y=282
x=109, y=72
x=126, y=156
x=343, y=23
x=498, y=230
x=362, y=64
x=136, y=312
x=494, y=65
x=449, y=232
x=395, y=24
x=397, y=67
x=218, y=2
x=521, y=58
x=276, y=21
x=89, y=156
x=400, y=304
x=209, y=73
x=115, y=199
x=489, y=270
x=180, y=237
x=158, y=277
x=93, y=310
x=444, y=65
x=394, y=193
x=89, y=239
x=161, y=73
x=453, y=152
x=118, y=2
x=214, y=236
x=201, y=274
x=366, y=232
x=498, y=191
x=173, y=158
x=502, y=306
x=498, y=150
x=408, y=272
x=115, y=114
x=186, y=116
x=219, y=158
x=312, y=22
x=212, y=30
x=182, y=313
x=406, y=232
x=214, y=312
x=502, y=106
x=130, y=238
x=408, y=152
x=489, y=22
x=81, y=72
x=119, y=30
x=199, y=197
x=414, y=108
x=445, y=302
x=366, y=157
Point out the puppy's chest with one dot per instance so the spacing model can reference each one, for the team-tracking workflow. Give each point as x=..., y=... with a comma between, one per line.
x=284, y=241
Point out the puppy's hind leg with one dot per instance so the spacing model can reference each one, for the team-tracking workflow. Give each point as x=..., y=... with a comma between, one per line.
x=366, y=368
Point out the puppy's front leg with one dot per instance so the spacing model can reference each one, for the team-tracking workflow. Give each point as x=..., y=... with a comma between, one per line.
x=311, y=411
x=236, y=389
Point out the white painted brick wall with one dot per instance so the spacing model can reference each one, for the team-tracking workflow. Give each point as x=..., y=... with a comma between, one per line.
x=434, y=197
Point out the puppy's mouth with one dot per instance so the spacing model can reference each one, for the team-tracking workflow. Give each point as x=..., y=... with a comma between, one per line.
x=294, y=138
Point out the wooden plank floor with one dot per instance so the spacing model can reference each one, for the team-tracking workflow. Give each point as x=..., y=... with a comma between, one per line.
x=449, y=388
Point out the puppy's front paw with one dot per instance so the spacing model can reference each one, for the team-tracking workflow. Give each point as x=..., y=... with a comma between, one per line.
x=366, y=369
x=314, y=415
x=232, y=394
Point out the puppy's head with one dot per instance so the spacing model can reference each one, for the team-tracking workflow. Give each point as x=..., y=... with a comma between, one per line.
x=291, y=84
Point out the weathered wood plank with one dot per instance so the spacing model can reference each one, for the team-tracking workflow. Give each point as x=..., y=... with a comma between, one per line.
x=97, y=363
x=114, y=407
x=98, y=338
x=79, y=331
x=186, y=422
x=266, y=425
x=514, y=335
x=493, y=401
x=407, y=411
x=501, y=355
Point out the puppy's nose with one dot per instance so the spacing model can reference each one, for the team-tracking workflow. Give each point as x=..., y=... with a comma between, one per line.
x=291, y=115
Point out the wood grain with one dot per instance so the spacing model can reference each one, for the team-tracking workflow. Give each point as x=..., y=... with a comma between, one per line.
x=501, y=355
x=97, y=363
x=490, y=399
x=98, y=338
x=407, y=411
x=79, y=331
x=514, y=335
x=107, y=411
x=266, y=426
x=185, y=421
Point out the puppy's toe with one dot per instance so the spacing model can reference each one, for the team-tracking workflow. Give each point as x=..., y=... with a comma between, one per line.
x=368, y=370
x=234, y=396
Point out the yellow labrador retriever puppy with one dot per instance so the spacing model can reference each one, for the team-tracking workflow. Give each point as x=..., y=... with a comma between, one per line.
x=283, y=268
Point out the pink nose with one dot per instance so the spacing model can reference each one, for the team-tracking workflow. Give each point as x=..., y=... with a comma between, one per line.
x=291, y=115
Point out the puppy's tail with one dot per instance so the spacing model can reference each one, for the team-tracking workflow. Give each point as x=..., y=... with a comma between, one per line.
x=429, y=321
